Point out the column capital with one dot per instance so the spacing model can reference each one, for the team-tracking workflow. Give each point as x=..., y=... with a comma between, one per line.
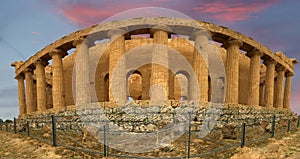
x=81, y=40
x=41, y=62
x=58, y=51
x=270, y=61
x=20, y=76
x=200, y=32
x=116, y=32
x=160, y=28
x=289, y=74
x=26, y=70
x=280, y=68
x=254, y=52
x=232, y=41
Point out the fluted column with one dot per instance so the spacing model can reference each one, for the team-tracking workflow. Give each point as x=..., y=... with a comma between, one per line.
x=82, y=69
x=159, y=90
x=254, y=77
x=57, y=79
x=200, y=68
x=21, y=94
x=269, y=83
x=41, y=85
x=279, y=87
x=117, y=75
x=287, y=90
x=261, y=94
x=29, y=90
x=232, y=71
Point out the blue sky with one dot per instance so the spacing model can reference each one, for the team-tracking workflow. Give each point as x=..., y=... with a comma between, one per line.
x=28, y=26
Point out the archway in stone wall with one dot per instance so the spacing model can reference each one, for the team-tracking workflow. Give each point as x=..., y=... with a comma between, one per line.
x=134, y=85
x=181, y=86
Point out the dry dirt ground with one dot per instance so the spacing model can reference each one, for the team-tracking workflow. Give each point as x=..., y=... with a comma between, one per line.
x=18, y=146
x=22, y=147
x=288, y=147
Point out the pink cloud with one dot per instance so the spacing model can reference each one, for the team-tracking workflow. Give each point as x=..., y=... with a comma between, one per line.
x=231, y=10
x=85, y=14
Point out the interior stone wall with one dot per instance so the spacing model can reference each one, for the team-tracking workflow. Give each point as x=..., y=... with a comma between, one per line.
x=101, y=69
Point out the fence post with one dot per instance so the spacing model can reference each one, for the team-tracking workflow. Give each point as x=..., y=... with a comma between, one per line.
x=243, y=137
x=104, y=141
x=189, y=136
x=28, y=128
x=15, y=125
x=6, y=126
x=273, y=126
x=107, y=139
x=289, y=125
x=53, y=130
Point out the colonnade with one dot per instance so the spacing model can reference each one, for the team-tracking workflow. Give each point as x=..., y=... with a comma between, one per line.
x=274, y=93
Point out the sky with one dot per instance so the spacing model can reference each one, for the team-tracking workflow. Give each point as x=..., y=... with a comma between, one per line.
x=28, y=26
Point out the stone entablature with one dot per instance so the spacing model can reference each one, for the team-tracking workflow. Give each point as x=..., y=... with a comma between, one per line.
x=56, y=78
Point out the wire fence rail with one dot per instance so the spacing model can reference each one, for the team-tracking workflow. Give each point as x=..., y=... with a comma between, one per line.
x=189, y=145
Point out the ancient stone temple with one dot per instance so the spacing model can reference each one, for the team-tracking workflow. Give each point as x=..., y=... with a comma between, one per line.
x=254, y=75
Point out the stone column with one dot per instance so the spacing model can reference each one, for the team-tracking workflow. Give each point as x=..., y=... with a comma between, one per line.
x=57, y=79
x=41, y=85
x=254, y=77
x=200, y=67
x=261, y=94
x=82, y=68
x=29, y=90
x=49, y=97
x=269, y=83
x=279, y=87
x=117, y=75
x=146, y=83
x=34, y=96
x=287, y=90
x=21, y=94
x=159, y=89
x=232, y=71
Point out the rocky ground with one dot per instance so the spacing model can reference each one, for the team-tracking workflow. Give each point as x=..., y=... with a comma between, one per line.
x=288, y=147
x=20, y=146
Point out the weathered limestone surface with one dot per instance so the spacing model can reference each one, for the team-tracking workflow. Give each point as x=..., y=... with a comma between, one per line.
x=269, y=83
x=279, y=88
x=232, y=71
x=82, y=86
x=41, y=85
x=57, y=79
x=248, y=81
x=29, y=91
x=21, y=94
x=200, y=65
x=159, y=70
x=287, y=91
x=117, y=81
x=254, y=77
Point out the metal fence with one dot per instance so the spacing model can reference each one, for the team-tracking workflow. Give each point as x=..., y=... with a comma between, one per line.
x=189, y=145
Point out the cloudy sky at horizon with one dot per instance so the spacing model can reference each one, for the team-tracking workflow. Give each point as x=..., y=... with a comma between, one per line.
x=28, y=26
